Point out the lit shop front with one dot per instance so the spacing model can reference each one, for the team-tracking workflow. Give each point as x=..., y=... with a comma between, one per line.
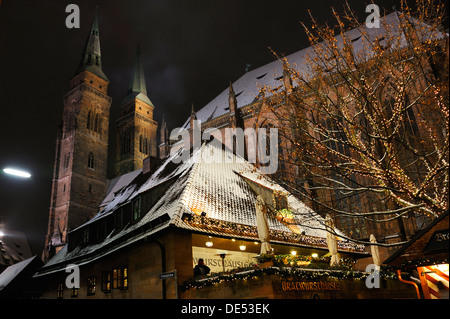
x=227, y=254
x=295, y=272
x=424, y=259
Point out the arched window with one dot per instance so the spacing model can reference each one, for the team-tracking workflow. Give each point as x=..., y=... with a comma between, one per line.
x=126, y=142
x=88, y=122
x=96, y=124
x=91, y=160
x=146, y=146
x=66, y=161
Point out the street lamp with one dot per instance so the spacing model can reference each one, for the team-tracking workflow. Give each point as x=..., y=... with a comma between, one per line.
x=16, y=172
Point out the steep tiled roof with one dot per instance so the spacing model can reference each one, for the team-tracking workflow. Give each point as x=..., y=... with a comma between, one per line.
x=248, y=86
x=211, y=181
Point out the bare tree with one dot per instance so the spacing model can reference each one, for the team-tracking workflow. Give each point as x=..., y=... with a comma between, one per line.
x=364, y=119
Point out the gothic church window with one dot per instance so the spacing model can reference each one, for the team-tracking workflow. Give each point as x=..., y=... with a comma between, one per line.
x=88, y=121
x=91, y=160
x=66, y=161
x=96, y=124
x=126, y=143
x=145, y=146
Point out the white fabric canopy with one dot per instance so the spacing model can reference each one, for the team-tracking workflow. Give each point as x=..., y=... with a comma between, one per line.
x=375, y=251
x=331, y=241
x=263, y=225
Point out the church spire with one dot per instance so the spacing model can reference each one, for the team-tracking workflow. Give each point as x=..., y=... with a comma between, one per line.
x=91, y=58
x=137, y=88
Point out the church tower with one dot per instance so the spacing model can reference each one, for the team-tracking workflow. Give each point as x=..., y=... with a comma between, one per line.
x=164, y=147
x=80, y=168
x=136, y=129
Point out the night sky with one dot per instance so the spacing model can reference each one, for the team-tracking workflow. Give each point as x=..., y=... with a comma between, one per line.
x=191, y=50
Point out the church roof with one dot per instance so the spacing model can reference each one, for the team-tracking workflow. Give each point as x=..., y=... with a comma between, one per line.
x=212, y=181
x=91, y=58
x=137, y=88
x=248, y=87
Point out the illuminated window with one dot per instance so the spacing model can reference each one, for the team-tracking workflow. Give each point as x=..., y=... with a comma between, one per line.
x=120, y=278
x=60, y=291
x=106, y=281
x=74, y=292
x=91, y=286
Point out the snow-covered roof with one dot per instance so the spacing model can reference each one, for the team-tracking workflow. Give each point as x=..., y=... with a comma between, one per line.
x=247, y=87
x=14, y=247
x=213, y=181
x=13, y=271
x=117, y=184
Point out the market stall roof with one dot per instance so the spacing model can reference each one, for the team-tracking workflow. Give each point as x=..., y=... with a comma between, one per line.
x=428, y=245
x=213, y=191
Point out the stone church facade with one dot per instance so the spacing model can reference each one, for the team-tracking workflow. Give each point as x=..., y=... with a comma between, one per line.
x=81, y=154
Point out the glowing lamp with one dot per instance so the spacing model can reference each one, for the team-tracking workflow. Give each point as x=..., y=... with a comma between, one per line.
x=209, y=244
x=16, y=172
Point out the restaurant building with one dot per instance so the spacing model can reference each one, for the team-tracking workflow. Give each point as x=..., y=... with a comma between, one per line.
x=155, y=224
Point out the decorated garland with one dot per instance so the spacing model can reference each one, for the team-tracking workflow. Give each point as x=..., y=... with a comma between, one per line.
x=252, y=231
x=307, y=261
x=285, y=272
